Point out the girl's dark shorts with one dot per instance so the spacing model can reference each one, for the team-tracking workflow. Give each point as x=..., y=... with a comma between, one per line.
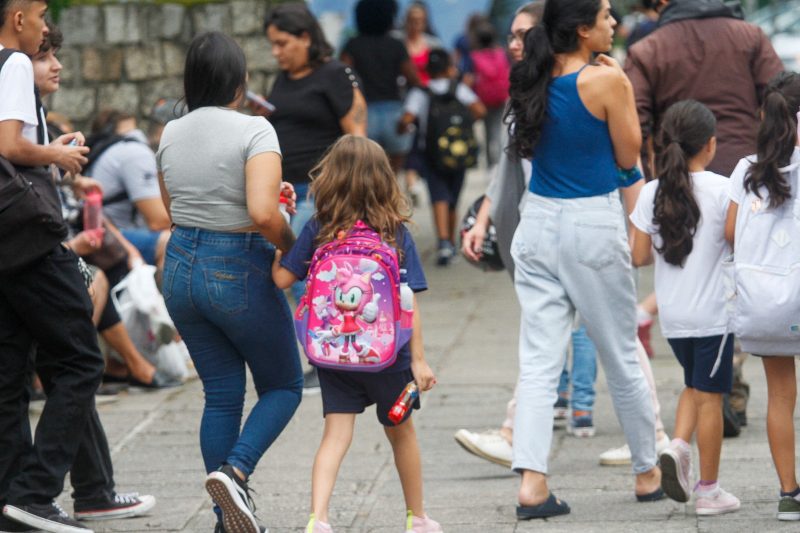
x=697, y=356
x=352, y=392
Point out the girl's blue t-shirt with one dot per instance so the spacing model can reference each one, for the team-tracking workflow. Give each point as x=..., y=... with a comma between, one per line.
x=299, y=257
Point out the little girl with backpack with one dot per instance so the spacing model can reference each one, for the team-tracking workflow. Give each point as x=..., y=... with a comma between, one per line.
x=359, y=313
x=764, y=227
x=681, y=216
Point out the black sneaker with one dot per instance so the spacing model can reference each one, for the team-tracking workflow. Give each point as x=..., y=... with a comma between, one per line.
x=10, y=526
x=120, y=506
x=47, y=517
x=232, y=496
x=311, y=382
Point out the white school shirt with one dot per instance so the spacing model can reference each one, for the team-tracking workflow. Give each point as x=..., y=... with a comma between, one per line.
x=17, y=99
x=691, y=300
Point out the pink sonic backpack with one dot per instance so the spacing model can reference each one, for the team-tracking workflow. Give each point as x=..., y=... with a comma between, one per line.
x=356, y=313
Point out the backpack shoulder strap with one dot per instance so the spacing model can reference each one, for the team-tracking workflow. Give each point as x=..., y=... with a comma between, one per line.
x=5, y=53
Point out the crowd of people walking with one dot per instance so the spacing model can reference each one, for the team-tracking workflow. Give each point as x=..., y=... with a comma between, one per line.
x=307, y=193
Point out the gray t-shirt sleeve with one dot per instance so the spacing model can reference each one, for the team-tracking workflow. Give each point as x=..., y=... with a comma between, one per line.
x=138, y=172
x=261, y=138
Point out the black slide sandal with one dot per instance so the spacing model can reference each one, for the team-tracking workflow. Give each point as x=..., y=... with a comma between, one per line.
x=552, y=506
x=654, y=496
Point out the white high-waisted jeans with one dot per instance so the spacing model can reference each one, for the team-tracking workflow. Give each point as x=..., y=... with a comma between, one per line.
x=572, y=255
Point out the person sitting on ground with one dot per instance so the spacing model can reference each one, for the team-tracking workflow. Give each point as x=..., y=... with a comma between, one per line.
x=123, y=163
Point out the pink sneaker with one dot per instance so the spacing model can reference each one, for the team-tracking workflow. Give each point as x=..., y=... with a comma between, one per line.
x=714, y=501
x=315, y=526
x=676, y=471
x=415, y=524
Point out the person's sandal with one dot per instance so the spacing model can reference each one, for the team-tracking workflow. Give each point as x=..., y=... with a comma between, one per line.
x=552, y=506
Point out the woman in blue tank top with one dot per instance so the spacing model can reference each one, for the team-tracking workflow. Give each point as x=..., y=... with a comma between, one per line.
x=576, y=121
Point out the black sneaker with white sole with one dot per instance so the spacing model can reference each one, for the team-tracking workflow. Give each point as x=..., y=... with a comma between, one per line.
x=120, y=506
x=232, y=496
x=47, y=517
x=10, y=526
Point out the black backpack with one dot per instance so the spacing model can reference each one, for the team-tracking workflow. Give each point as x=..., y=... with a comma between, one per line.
x=450, y=144
x=31, y=223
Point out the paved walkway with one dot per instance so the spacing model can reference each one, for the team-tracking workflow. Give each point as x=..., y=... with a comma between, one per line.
x=470, y=327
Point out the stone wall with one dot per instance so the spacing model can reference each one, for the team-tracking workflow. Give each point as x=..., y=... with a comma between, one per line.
x=128, y=55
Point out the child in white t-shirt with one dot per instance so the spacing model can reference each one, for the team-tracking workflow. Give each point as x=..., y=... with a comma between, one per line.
x=444, y=187
x=761, y=224
x=682, y=217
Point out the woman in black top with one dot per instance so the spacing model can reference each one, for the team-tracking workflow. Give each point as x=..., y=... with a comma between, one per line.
x=317, y=100
x=380, y=60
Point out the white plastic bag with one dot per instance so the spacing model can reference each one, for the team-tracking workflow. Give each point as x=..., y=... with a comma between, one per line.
x=144, y=313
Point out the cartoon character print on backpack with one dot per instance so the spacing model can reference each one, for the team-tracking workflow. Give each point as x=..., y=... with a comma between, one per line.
x=351, y=315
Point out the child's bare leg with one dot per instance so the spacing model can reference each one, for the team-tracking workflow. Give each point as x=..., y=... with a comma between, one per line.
x=335, y=441
x=709, y=433
x=403, y=439
x=441, y=214
x=782, y=394
x=686, y=416
x=452, y=221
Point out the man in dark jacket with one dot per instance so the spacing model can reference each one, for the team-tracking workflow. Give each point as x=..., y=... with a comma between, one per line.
x=703, y=50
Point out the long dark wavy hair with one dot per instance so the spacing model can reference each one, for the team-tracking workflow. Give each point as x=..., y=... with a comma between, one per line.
x=777, y=137
x=686, y=128
x=556, y=33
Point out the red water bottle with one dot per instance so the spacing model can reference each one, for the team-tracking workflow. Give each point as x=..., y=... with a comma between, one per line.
x=93, y=211
x=403, y=403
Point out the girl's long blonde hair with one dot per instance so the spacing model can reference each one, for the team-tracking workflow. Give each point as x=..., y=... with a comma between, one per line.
x=354, y=181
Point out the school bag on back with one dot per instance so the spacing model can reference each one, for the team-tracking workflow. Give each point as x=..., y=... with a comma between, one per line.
x=492, y=71
x=450, y=144
x=763, y=276
x=356, y=313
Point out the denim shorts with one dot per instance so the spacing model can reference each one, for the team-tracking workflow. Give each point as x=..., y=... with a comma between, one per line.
x=382, y=119
x=144, y=240
x=352, y=392
x=697, y=356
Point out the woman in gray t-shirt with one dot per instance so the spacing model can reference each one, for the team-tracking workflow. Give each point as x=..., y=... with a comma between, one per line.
x=220, y=177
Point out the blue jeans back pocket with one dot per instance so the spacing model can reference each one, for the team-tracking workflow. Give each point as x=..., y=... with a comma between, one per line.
x=226, y=283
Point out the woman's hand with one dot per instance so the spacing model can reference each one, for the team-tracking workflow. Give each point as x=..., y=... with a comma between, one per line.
x=81, y=185
x=423, y=374
x=86, y=242
x=472, y=242
x=287, y=191
x=608, y=61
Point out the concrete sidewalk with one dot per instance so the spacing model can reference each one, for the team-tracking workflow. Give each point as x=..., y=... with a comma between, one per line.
x=470, y=322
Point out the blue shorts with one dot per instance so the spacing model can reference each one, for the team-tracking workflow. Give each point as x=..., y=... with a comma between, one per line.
x=443, y=187
x=697, y=356
x=352, y=392
x=382, y=119
x=144, y=240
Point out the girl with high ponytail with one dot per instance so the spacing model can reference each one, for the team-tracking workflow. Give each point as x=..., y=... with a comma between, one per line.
x=572, y=114
x=681, y=216
x=762, y=226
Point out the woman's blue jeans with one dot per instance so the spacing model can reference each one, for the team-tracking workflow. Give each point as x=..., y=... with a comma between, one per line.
x=583, y=374
x=219, y=291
